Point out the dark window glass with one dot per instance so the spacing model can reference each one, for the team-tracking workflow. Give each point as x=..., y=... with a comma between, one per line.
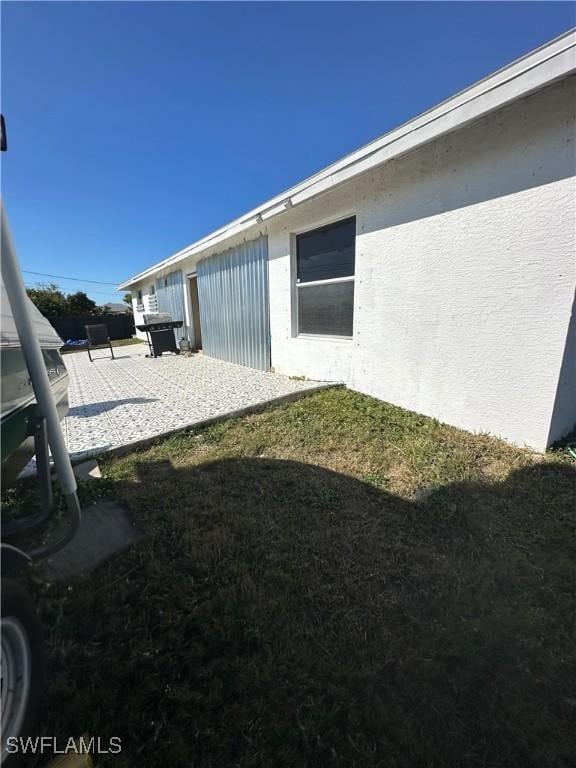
x=327, y=252
x=326, y=309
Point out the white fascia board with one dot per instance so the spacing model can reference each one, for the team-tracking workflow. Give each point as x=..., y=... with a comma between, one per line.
x=276, y=210
x=399, y=141
x=229, y=232
x=537, y=69
x=200, y=245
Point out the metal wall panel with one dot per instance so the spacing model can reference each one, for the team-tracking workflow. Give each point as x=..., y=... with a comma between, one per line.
x=170, y=296
x=234, y=312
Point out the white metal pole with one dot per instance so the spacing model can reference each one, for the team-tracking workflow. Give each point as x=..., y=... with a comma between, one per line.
x=18, y=299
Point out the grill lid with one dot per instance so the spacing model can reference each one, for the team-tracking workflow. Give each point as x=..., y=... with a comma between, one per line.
x=153, y=318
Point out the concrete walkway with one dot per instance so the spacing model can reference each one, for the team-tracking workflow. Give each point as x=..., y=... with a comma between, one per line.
x=115, y=403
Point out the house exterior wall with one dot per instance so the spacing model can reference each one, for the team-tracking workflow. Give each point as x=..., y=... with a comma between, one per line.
x=189, y=267
x=465, y=276
x=233, y=301
x=169, y=298
x=148, y=303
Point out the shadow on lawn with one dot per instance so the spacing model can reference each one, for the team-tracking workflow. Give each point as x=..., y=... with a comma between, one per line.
x=280, y=614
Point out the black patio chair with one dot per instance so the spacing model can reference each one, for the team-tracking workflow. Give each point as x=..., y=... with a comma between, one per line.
x=98, y=338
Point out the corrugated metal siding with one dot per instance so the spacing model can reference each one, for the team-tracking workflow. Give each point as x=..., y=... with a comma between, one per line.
x=234, y=312
x=170, y=296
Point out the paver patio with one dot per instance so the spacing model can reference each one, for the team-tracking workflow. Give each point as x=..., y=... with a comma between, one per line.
x=133, y=398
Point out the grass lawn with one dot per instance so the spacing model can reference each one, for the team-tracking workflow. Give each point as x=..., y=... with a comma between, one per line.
x=333, y=582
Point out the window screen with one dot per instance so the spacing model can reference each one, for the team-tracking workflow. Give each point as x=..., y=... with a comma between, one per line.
x=326, y=258
x=326, y=310
x=326, y=253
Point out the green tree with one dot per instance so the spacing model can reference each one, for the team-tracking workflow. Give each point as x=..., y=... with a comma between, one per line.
x=49, y=299
x=80, y=304
x=127, y=299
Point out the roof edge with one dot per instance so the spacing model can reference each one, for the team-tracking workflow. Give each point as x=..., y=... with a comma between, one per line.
x=531, y=72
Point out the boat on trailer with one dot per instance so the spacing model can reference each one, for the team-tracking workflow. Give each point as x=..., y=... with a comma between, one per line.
x=34, y=401
x=19, y=406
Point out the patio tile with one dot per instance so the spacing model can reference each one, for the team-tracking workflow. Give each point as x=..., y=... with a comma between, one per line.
x=118, y=402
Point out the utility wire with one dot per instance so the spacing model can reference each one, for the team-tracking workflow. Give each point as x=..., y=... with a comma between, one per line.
x=63, y=277
x=100, y=293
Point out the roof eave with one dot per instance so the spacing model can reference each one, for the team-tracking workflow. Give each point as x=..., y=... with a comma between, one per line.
x=524, y=76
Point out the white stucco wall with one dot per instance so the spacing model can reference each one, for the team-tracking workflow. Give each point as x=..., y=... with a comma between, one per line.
x=146, y=305
x=465, y=276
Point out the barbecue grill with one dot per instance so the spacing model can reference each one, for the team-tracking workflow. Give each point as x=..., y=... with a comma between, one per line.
x=159, y=328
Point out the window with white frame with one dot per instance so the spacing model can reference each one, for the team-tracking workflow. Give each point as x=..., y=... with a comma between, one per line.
x=325, y=260
x=151, y=300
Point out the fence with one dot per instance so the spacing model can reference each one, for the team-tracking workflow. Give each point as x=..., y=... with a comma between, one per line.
x=73, y=326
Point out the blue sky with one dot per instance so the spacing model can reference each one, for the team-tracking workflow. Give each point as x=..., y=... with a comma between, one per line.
x=136, y=128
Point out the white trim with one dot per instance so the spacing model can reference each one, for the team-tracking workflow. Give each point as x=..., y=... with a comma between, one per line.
x=348, y=279
x=187, y=306
x=293, y=289
x=277, y=209
x=326, y=221
x=324, y=337
x=531, y=72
